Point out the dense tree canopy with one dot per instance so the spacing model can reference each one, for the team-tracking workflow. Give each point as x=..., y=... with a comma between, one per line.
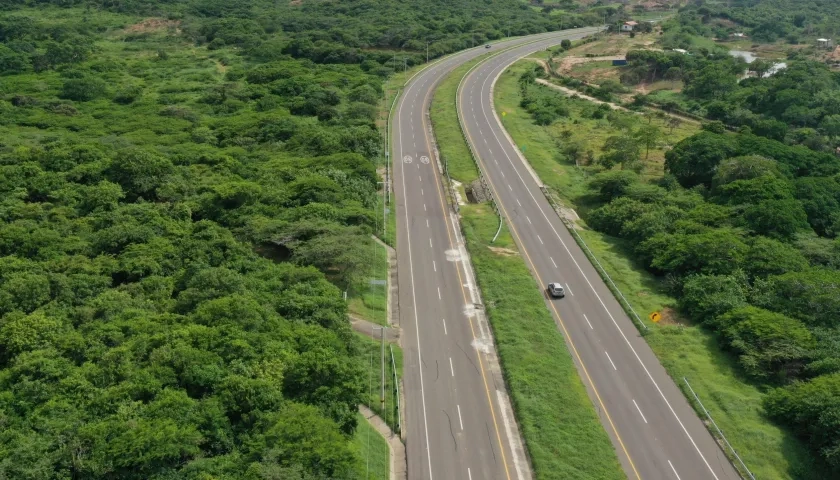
x=751, y=251
x=182, y=200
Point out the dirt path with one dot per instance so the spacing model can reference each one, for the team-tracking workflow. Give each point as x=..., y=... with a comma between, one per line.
x=372, y=330
x=570, y=92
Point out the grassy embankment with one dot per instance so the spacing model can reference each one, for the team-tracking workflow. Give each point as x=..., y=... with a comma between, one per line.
x=371, y=357
x=684, y=350
x=372, y=450
x=564, y=437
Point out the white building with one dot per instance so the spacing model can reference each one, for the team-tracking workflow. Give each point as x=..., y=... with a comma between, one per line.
x=628, y=26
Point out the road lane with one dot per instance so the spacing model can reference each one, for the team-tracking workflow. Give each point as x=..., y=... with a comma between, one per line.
x=456, y=426
x=651, y=424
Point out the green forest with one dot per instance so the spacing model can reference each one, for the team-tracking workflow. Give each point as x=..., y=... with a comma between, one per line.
x=186, y=188
x=744, y=226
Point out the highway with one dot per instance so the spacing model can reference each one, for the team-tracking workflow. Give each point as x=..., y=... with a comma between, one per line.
x=457, y=419
x=654, y=430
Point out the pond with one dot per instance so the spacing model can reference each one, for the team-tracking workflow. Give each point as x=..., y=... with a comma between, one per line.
x=750, y=57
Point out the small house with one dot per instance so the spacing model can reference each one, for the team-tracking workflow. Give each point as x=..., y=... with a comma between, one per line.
x=628, y=26
x=739, y=35
x=824, y=43
x=680, y=50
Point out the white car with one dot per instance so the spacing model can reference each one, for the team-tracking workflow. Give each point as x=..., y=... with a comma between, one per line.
x=556, y=290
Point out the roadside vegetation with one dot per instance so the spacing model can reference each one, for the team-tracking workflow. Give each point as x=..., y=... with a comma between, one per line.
x=187, y=190
x=563, y=443
x=373, y=453
x=371, y=356
x=732, y=239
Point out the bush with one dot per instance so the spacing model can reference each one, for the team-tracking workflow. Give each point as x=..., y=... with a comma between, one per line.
x=810, y=409
x=83, y=89
x=705, y=297
x=768, y=344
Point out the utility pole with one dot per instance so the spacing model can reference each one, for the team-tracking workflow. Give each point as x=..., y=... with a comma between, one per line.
x=382, y=395
x=382, y=361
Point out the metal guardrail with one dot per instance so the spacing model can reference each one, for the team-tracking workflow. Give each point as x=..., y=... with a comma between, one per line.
x=396, y=389
x=625, y=304
x=720, y=434
x=603, y=273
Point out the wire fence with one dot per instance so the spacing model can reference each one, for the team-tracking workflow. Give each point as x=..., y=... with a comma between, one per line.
x=720, y=435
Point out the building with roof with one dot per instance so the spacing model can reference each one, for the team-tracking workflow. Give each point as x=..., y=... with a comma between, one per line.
x=628, y=26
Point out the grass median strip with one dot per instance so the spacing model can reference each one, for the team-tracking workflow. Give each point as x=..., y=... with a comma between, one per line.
x=684, y=350
x=565, y=439
x=562, y=432
x=453, y=149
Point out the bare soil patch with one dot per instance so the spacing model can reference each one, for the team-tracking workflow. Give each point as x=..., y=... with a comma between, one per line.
x=505, y=252
x=151, y=25
x=672, y=317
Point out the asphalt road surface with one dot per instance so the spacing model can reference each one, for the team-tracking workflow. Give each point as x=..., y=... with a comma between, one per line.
x=455, y=425
x=654, y=430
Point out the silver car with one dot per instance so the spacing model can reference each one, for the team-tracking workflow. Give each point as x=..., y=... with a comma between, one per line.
x=556, y=290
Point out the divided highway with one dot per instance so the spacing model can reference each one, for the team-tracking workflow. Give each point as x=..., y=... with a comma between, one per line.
x=458, y=424
x=655, y=432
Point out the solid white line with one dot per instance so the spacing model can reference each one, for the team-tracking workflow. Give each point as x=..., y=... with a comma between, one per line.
x=439, y=297
x=587, y=321
x=620, y=331
x=640, y=410
x=434, y=265
x=540, y=239
x=414, y=302
x=516, y=462
x=552, y=261
x=444, y=326
x=570, y=290
x=674, y=469
x=529, y=220
x=610, y=359
x=460, y=420
x=451, y=368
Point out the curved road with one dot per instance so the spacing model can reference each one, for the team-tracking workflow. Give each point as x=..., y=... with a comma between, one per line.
x=458, y=423
x=655, y=432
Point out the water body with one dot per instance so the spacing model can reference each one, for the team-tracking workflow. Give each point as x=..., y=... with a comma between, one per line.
x=750, y=57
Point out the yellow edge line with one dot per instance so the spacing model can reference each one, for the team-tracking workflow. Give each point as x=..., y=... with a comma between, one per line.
x=461, y=283
x=562, y=323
